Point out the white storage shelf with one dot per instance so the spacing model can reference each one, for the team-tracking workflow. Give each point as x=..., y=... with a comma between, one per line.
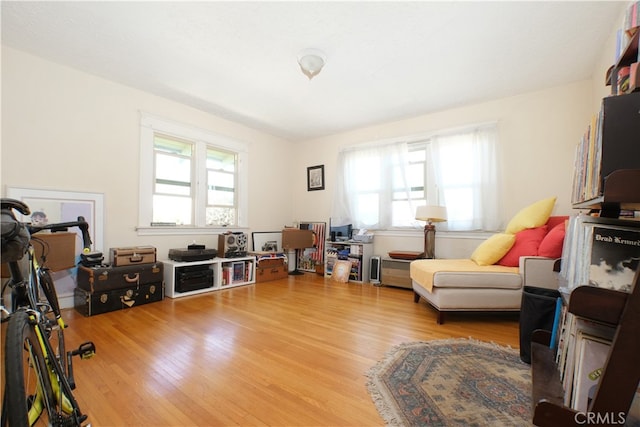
x=218, y=265
x=358, y=253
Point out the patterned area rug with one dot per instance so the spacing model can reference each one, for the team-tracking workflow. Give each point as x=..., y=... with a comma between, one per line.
x=454, y=382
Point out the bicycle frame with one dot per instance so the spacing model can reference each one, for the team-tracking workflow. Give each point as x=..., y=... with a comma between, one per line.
x=54, y=383
x=60, y=386
x=25, y=296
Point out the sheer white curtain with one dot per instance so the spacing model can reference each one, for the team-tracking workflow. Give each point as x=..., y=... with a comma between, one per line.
x=377, y=186
x=466, y=171
x=367, y=179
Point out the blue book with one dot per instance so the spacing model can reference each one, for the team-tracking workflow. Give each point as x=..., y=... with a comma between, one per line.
x=556, y=323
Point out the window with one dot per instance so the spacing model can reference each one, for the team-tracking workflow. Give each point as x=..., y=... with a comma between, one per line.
x=190, y=178
x=380, y=186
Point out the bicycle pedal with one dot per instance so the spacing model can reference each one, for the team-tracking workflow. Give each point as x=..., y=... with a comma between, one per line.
x=86, y=350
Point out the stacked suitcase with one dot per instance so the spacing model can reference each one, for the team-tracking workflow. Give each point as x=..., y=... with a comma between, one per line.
x=132, y=278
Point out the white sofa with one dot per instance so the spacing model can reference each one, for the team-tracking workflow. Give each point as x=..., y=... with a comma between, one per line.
x=462, y=285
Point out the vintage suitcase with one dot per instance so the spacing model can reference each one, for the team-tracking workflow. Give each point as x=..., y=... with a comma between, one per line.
x=91, y=303
x=266, y=274
x=104, y=278
x=133, y=255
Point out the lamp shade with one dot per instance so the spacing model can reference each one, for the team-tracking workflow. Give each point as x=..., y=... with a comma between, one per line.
x=431, y=213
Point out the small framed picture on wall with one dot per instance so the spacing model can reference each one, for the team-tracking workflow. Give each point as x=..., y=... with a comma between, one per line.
x=315, y=178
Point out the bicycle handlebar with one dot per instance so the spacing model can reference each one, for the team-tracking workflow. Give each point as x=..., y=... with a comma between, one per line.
x=64, y=226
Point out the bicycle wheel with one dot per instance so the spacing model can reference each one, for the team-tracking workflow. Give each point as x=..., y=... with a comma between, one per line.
x=28, y=385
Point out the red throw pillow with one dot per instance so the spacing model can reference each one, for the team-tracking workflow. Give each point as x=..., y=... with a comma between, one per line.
x=551, y=245
x=527, y=243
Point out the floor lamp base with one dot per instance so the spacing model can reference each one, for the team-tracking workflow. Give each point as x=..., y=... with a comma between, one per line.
x=295, y=271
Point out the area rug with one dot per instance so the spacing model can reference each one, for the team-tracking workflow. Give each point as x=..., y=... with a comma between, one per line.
x=456, y=382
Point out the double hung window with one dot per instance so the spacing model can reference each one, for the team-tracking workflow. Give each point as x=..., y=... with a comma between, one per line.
x=381, y=185
x=190, y=178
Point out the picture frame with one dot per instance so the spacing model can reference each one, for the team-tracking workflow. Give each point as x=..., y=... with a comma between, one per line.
x=267, y=241
x=315, y=178
x=341, y=271
x=62, y=206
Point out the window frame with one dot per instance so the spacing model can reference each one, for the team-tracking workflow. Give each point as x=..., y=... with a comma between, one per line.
x=202, y=139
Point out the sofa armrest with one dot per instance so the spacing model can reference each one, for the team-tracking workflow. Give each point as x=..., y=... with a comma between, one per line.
x=539, y=272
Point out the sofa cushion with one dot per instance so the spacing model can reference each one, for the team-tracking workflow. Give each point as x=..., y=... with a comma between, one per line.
x=463, y=273
x=526, y=244
x=551, y=245
x=485, y=280
x=555, y=220
x=534, y=215
x=492, y=249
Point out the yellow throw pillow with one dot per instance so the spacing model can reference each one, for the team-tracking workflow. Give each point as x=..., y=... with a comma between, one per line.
x=535, y=215
x=493, y=249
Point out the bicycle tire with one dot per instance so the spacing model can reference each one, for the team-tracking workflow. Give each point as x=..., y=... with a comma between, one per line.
x=25, y=369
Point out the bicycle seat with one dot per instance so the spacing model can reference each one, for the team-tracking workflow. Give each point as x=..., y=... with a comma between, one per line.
x=15, y=204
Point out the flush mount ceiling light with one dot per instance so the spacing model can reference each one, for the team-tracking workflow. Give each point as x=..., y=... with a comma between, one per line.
x=311, y=62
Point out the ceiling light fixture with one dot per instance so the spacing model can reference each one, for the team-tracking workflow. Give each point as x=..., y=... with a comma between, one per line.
x=311, y=62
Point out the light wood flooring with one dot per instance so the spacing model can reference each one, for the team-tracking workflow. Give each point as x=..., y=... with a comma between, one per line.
x=292, y=352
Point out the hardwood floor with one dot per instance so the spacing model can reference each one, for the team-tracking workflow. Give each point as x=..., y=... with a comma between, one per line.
x=292, y=352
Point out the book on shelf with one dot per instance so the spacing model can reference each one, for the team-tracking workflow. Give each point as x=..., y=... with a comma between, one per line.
x=615, y=254
x=227, y=275
x=600, y=254
x=567, y=361
x=557, y=317
x=631, y=19
x=569, y=354
x=561, y=346
x=591, y=358
x=587, y=162
x=238, y=271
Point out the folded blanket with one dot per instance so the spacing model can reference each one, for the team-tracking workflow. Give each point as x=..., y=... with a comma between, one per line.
x=423, y=271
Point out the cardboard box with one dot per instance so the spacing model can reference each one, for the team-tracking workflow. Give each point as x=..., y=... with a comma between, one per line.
x=294, y=238
x=60, y=249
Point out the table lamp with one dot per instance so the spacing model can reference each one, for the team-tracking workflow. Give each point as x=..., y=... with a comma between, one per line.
x=430, y=214
x=294, y=238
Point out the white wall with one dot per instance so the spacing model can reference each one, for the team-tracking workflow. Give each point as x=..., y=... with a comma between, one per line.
x=538, y=133
x=66, y=130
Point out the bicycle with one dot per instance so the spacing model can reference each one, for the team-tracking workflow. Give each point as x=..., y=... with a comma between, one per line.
x=38, y=380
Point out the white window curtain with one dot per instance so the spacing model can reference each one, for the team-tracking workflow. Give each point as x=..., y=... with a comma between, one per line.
x=461, y=173
x=466, y=171
x=367, y=178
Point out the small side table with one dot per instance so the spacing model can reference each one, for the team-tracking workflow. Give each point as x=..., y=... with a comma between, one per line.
x=395, y=272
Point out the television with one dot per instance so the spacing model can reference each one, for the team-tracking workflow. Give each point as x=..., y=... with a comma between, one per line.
x=340, y=232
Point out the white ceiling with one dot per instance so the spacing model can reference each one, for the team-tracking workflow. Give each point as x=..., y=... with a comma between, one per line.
x=385, y=60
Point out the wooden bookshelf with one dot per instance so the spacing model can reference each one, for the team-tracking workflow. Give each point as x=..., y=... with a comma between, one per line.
x=627, y=57
x=619, y=193
x=606, y=181
x=621, y=375
x=609, y=152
